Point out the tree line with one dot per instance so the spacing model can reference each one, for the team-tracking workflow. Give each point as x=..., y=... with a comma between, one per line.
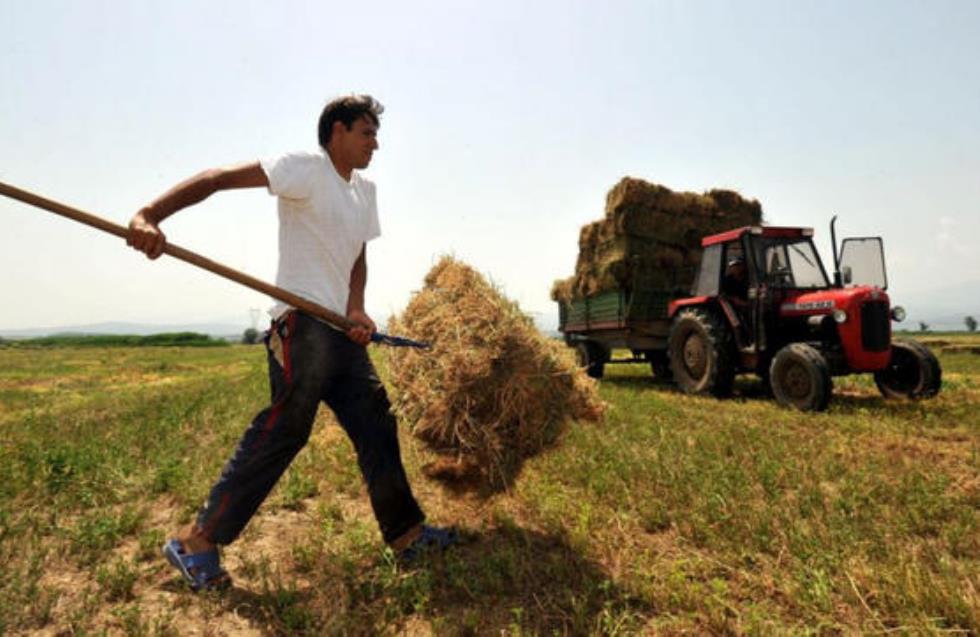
x=969, y=321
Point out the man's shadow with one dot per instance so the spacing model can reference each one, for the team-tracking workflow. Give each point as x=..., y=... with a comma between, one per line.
x=537, y=582
x=493, y=582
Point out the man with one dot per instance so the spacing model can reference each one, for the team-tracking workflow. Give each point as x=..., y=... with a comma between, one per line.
x=735, y=282
x=327, y=214
x=735, y=288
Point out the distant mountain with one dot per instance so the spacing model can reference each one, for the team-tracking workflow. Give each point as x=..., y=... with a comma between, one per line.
x=219, y=330
x=943, y=308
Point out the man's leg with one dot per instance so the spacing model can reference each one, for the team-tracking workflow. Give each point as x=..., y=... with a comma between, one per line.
x=276, y=435
x=361, y=404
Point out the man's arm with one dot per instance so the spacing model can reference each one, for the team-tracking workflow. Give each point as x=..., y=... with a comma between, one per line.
x=355, y=301
x=144, y=227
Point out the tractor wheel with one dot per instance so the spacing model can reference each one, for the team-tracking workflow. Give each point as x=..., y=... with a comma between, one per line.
x=912, y=372
x=659, y=365
x=592, y=357
x=800, y=377
x=701, y=353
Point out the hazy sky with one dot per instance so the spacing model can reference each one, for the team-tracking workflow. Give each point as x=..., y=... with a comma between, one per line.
x=506, y=124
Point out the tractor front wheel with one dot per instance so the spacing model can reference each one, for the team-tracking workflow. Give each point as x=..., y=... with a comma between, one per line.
x=913, y=372
x=800, y=378
x=701, y=353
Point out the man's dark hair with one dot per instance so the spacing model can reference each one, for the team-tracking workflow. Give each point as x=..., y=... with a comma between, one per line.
x=347, y=110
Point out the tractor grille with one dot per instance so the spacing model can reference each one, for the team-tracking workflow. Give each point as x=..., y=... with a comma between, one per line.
x=874, y=326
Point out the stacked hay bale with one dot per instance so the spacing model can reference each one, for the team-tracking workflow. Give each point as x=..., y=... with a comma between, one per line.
x=651, y=238
x=493, y=391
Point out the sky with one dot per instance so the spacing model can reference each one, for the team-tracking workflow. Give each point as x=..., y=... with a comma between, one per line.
x=505, y=125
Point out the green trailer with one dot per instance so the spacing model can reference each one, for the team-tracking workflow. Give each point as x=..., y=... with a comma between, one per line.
x=627, y=318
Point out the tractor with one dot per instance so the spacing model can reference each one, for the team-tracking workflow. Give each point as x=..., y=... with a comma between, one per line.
x=762, y=303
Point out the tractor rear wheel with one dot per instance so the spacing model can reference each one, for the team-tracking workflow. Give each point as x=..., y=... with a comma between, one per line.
x=913, y=372
x=701, y=353
x=592, y=357
x=800, y=378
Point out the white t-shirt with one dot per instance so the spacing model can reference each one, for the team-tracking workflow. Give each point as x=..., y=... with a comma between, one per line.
x=324, y=221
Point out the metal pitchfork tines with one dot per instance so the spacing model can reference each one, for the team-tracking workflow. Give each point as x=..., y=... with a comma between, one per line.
x=328, y=316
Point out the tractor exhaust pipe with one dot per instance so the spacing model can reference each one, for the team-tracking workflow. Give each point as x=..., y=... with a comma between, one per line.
x=833, y=244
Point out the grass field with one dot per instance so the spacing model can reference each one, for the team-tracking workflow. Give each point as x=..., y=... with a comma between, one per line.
x=675, y=515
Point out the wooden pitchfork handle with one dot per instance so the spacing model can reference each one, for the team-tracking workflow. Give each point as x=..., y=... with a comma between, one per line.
x=336, y=320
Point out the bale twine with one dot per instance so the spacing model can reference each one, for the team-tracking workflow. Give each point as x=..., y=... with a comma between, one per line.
x=493, y=390
x=651, y=237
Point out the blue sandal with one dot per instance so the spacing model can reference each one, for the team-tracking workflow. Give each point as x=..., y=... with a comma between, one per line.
x=433, y=539
x=201, y=571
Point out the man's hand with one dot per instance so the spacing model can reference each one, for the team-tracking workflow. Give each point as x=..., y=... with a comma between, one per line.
x=145, y=235
x=365, y=327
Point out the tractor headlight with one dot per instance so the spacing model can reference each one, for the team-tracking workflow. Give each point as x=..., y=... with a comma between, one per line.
x=840, y=316
x=898, y=313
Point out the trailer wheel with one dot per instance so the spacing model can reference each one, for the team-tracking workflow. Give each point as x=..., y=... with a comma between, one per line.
x=700, y=351
x=913, y=372
x=592, y=357
x=800, y=378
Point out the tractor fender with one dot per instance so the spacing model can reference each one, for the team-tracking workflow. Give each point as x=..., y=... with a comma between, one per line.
x=717, y=304
x=677, y=305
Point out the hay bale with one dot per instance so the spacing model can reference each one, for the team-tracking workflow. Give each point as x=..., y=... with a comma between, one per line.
x=960, y=349
x=493, y=391
x=651, y=236
x=640, y=208
x=563, y=290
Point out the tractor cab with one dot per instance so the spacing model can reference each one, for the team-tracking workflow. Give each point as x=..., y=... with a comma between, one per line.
x=762, y=302
x=756, y=275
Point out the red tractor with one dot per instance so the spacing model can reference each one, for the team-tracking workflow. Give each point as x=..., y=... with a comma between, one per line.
x=763, y=304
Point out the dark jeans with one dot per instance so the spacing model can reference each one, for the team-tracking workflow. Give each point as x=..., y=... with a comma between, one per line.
x=310, y=362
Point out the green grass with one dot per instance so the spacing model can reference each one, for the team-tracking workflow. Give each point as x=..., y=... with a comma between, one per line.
x=674, y=515
x=166, y=339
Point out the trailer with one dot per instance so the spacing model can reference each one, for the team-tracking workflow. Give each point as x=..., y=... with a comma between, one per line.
x=630, y=319
x=760, y=302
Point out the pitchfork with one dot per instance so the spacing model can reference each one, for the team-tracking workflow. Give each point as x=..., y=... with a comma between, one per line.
x=328, y=316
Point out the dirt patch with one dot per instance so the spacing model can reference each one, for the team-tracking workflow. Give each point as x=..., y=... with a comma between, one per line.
x=158, y=599
x=950, y=455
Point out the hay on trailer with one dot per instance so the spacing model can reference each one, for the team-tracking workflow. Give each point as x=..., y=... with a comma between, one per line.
x=493, y=390
x=650, y=237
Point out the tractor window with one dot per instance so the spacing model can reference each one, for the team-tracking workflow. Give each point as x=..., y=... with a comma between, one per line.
x=710, y=274
x=806, y=266
x=792, y=263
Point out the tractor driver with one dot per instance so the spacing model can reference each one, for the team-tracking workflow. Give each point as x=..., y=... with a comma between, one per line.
x=735, y=283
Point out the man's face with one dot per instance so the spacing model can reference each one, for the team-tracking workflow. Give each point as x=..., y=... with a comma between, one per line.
x=737, y=270
x=358, y=144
